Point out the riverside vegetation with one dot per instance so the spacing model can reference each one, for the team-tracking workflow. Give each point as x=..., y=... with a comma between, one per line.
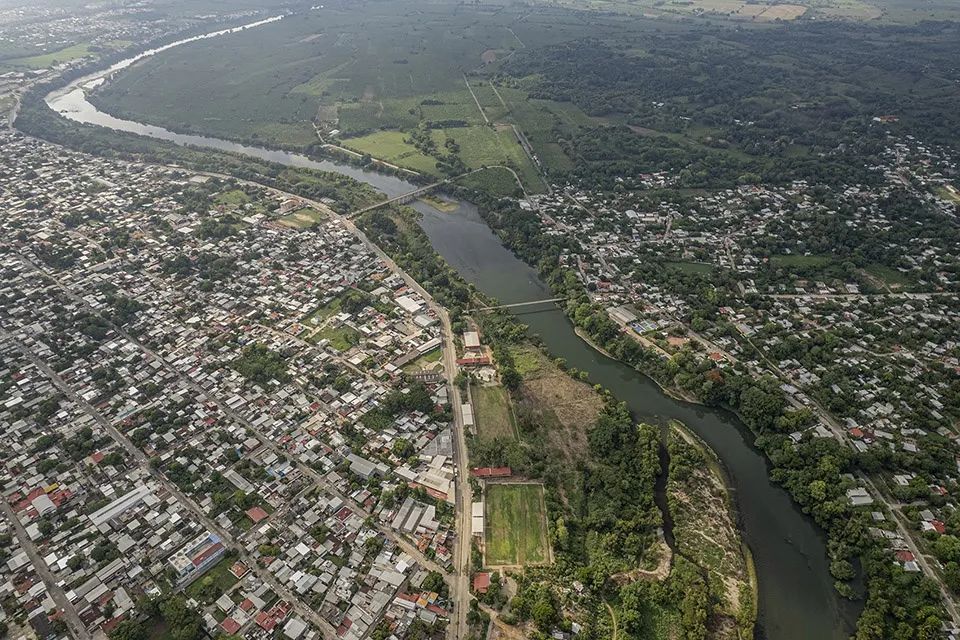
x=602, y=515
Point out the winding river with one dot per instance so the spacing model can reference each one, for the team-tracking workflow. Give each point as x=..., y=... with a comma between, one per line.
x=796, y=596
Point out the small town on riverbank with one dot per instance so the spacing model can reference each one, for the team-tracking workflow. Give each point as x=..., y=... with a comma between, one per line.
x=228, y=411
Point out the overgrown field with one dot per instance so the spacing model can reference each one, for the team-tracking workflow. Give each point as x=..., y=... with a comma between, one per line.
x=493, y=413
x=375, y=72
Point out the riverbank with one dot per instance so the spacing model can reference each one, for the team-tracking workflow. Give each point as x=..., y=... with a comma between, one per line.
x=717, y=470
x=677, y=394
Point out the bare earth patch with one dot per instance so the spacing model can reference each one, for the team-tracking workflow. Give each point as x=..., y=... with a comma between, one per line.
x=566, y=407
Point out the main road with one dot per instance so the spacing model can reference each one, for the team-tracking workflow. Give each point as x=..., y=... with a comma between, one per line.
x=74, y=623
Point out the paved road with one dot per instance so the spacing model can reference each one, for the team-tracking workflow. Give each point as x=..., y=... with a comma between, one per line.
x=922, y=560
x=77, y=628
x=459, y=587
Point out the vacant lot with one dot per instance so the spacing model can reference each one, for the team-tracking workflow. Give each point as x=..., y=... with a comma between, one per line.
x=890, y=277
x=949, y=192
x=341, y=338
x=217, y=580
x=493, y=413
x=303, y=219
x=321, y=314
x=697, y=268
x=425, y=362
x=516, y=525
x=800, y=261
x=564, y=408
x=233, y=197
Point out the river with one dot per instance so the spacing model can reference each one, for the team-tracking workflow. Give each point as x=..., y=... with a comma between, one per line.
x=796, y=596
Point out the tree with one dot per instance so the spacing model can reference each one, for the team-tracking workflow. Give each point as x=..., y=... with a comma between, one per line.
x=951, y=575
x=759, y=407
x=184, y=623
x=402, y=448
x=544, y=611
x=129, y=630
x=434, y=582
x=45, y=527
x=511, y=378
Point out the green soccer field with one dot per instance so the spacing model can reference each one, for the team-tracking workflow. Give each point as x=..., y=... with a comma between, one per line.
x=515, y=528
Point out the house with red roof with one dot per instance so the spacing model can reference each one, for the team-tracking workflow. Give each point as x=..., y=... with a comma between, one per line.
x=229, y=625
x=256, y=514
x=481, y=582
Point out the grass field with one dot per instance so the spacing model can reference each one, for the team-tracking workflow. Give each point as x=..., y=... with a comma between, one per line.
x=341, y=338
x=949, y=193
x=541, y=121
x=800, y=261
x=516, y=528
x=528, y=361
x=493, y=413
x=219, y=575
x=891, y=277
x=423, y=362
x=700, y=268
x=480, y=146
x=392, y=147
x=42, y=61
x=316, y=317
x=303, y=219
x=496, y=181
x=234, y=197
x=484, y=146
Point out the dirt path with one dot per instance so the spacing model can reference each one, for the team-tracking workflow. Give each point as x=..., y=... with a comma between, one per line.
x=482, y=112
x=506, y=630
x=613, y=616
x=499, y=97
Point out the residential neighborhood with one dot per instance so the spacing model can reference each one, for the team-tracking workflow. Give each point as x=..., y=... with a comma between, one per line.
x=215, y=406
x=868, y=353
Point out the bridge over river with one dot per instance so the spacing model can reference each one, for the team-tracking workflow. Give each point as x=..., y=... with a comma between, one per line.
x=410, y=196
x=516, y=305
